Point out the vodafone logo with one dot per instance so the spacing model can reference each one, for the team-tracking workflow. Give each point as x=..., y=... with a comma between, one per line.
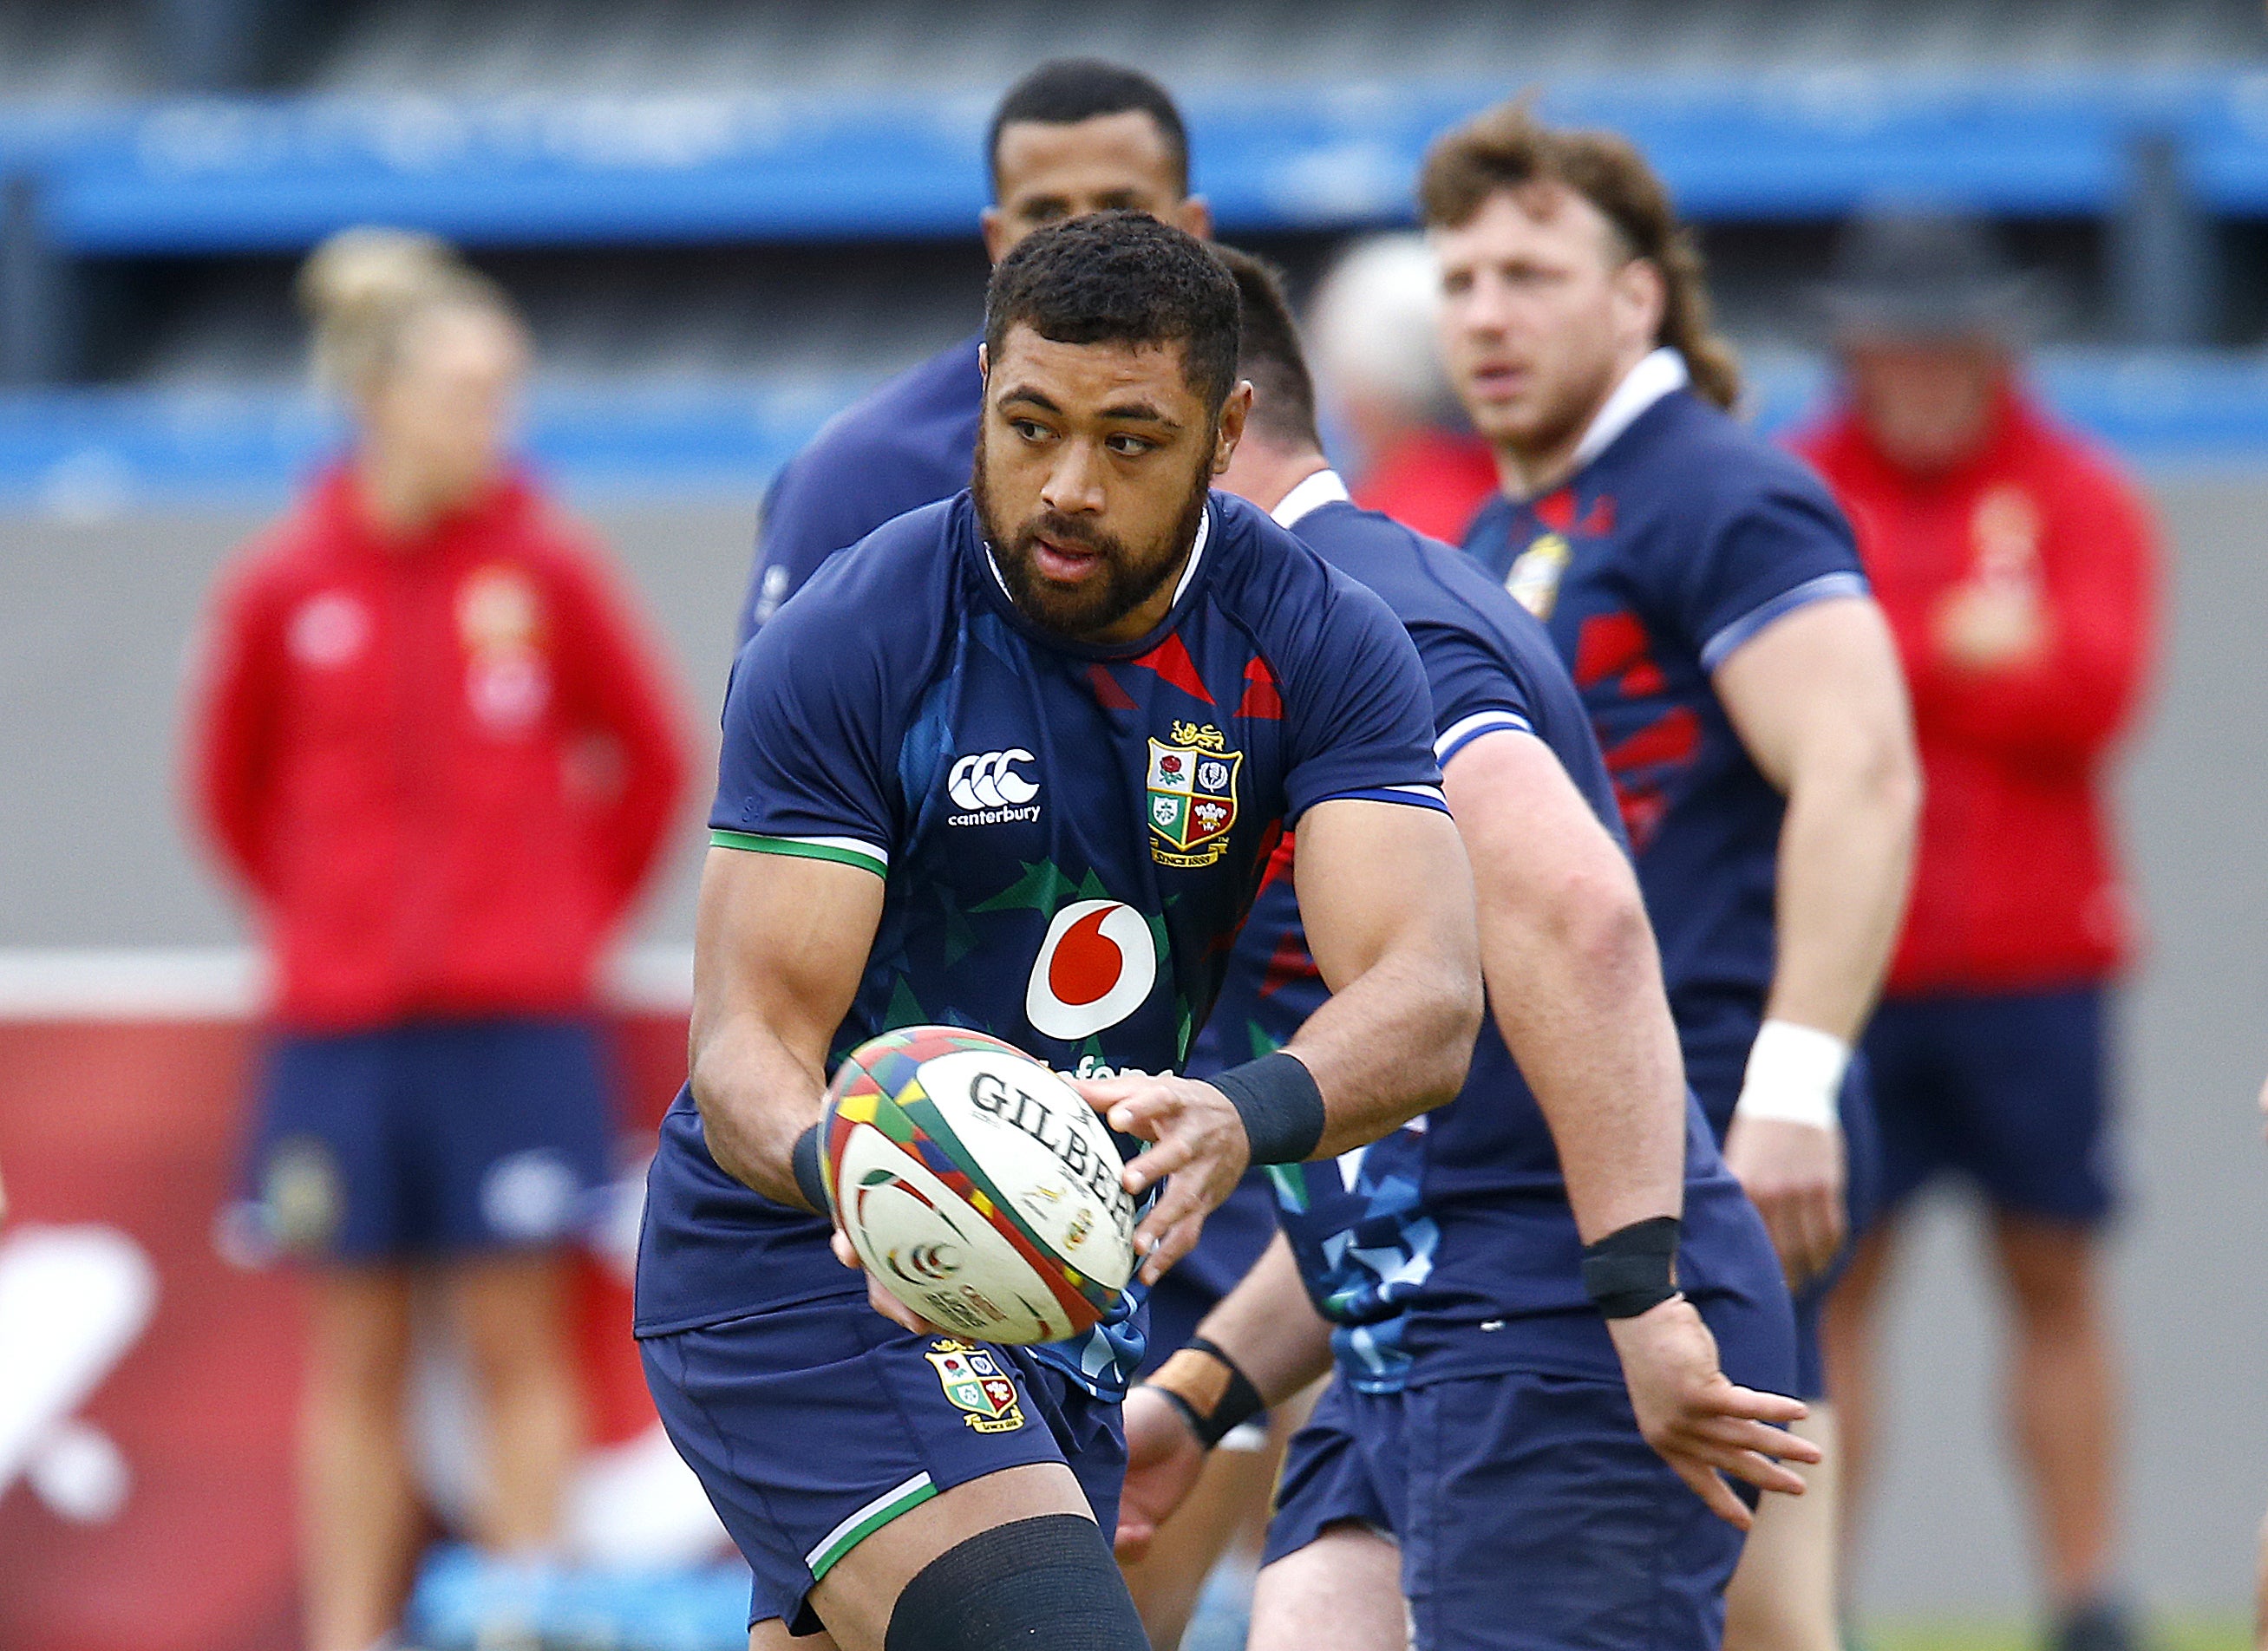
x=988, y=786
x=1094, y=969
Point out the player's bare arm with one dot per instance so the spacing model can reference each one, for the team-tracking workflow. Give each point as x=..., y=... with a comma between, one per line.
x=1818, y=700
x=1575, y=984
x=1387, y=896
x=1574, y=981
x=1388, y=900
x=1270, y=1332
x=778, y=946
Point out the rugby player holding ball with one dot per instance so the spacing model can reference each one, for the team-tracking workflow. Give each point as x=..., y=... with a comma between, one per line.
x=1178, y=681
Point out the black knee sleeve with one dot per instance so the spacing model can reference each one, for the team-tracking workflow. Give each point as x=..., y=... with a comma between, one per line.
x=1043, y=1584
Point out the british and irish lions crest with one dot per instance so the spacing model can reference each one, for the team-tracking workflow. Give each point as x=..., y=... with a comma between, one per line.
x=1534, y=581
x=976, y=1386
x=1192, y=795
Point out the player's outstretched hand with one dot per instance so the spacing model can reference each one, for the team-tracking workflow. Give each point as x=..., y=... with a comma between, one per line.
x=1794, y=1174
x=1697, y=1420
x=882, y=1302
x=1163, y=1461
x=1197, y=1147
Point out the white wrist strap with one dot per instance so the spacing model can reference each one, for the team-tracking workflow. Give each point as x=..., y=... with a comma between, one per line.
x=1795, y=1075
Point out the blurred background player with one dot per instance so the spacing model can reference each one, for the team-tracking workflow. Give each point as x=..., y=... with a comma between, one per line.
x=1069, y=138
x=1072, y=137
x=1706, y=594
x=438, y=753
x=1499, y=1401
x=1375, y=338
x=2017, y=569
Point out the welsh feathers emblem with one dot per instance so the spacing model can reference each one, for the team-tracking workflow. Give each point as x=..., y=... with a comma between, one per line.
x=1192, y=796
x=974, y=1381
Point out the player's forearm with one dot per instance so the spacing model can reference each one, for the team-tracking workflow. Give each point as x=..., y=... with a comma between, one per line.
x=1394, y=1043
x=1846, y=858
x=1575, y=984
x=1268, y=1325
x=755, y=1096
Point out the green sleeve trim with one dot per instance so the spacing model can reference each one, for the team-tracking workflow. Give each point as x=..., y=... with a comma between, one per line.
x=841, y=850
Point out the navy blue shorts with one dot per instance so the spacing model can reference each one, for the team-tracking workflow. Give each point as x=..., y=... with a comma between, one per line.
x=2007, y=1089
x=1530, y=1514
x=813, y=1425
x=433, y=1139
x=1716, y=1077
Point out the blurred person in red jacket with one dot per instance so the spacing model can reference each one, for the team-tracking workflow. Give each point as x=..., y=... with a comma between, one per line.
x=439, y=751
x=2017, y=567
x=1372, y=331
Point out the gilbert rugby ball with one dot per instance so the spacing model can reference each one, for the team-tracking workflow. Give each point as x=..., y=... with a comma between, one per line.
x=977, y=1186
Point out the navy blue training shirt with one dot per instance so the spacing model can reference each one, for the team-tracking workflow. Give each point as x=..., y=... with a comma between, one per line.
x=1460, y=1219
x=1681, y=539
x=910, y=442
x=1068, y=835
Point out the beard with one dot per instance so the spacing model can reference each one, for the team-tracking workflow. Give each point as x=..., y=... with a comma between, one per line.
x=1128, y=578
x=1553, y=423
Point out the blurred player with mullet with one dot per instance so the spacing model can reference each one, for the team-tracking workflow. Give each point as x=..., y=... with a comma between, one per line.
x=1529, y=1422
x=1072, y=137
x=1707, y=596
x=1089, y=617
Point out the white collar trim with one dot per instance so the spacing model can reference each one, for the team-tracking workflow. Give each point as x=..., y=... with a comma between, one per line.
x=1659, y=374
x=1197, y=555
x=1324, y=488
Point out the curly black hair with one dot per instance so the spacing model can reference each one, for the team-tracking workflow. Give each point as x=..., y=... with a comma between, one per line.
x=1122, y=278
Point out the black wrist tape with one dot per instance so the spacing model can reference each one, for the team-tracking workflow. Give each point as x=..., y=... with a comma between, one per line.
x=1282, y=1109
x=1633, y=1268
x=1234, y=1400
x=803, y=1158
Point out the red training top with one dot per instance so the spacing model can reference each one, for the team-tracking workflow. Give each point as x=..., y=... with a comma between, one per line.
x=443, y=764
x=2017, y=885
x=1431, y=480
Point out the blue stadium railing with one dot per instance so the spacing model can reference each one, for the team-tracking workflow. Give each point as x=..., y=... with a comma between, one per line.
x=213, y=177
x=241, y=175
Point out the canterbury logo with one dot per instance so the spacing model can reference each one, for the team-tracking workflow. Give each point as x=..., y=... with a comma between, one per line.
x=991, y=780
